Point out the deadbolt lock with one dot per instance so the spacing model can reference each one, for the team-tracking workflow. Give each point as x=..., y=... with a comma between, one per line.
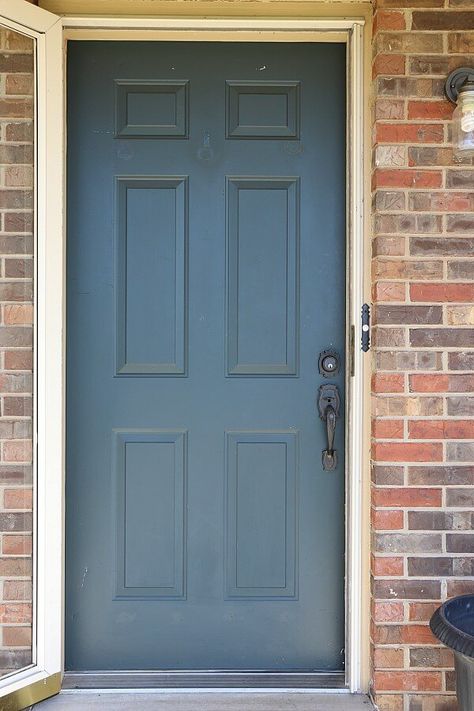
x=329, y=363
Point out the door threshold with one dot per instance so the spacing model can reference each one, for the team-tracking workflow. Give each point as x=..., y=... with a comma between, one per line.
x=235, y=680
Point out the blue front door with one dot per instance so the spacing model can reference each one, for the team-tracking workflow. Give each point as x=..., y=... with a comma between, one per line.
x=206, y=250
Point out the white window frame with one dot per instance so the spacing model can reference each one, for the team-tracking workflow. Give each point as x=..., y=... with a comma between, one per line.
x=48, y=412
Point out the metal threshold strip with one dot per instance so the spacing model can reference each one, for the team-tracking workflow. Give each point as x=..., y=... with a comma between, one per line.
x=203, y=680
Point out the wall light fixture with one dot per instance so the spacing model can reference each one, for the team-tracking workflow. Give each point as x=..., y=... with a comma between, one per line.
x=459, y=89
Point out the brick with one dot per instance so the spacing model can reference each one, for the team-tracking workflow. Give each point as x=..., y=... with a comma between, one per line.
x=441, y=429
x=407, y=497
x=18, y=499
x=15, y=40
x=390, y=476
x=17, y=590
x=461, y=270
x=421, y=611
x=387, y=520
x=460, y=223
x=17, y=451
x=16, y=291
x=441, y=201
x=388, y=246
x=19, y=175
x=387, y=566
x=16, y=567
x=20, y=84
x=388, y=337
x=430, y=567
x=388, y=658
x=408, y=452
x=432, y=703
x=460, y=543
x=386, y=20
x=399, y=543
x=408, y=360
x=387, y=429
x=18, y=360
x=439, y=337
x=414, y=406
x=15, y=613
x=429, y=156
x=460, y=587
x=441, y=383
x=460, y=179
x=440, y=20
x=408, y=43
x=440, y=520
x=461, y=42
x=17, y=406
x=460, y=451
x=18, y=268
x=460, y=315
x=409, y=133
x=407, y=681
x=389, y=109
x=17, y=636
x=389, y=200
x=16, y=545
x=418, y=634
x=383, y=383
x=397, y=589
x=407, y=178
x=388, y=64
x=441, y=475
x=429, y=657
x=461, y=361
x=408, y=269
x=441, y=246
x=18, y=221
x=458, y=406
x=19, y=314
x=410, y=3
x=408, y=314
x=388, y=611
x=10, y=63
x=430, y=109
x=460, y=498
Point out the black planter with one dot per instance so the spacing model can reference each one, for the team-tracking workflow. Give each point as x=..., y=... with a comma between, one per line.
x=453, y=625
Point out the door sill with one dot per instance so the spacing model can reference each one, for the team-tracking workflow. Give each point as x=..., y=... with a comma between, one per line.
x=203, y=680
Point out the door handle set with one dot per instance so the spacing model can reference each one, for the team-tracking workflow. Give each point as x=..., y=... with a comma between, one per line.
x=329, y=405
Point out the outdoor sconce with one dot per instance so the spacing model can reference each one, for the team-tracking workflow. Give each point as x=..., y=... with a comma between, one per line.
x=459, y=89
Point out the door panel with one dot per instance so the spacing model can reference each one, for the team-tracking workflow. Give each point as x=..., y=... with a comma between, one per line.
x=205, y=274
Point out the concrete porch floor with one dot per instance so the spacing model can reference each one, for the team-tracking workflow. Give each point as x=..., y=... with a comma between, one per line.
x=204, y=701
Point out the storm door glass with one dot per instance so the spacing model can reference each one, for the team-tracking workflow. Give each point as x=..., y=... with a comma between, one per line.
x=17, y=352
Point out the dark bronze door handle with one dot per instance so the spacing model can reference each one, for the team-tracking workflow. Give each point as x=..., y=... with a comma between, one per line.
x=329, y=405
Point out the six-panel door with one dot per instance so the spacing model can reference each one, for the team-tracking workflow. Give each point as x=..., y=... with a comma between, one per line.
x=205, y=274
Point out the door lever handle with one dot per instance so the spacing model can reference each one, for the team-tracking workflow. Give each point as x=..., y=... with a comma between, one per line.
x=329, y=404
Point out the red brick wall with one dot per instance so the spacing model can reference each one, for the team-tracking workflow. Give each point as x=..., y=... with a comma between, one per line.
x=16, y=339
x=423, y=356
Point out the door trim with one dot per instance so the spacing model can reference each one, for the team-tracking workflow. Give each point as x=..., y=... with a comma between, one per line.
x=356, y=33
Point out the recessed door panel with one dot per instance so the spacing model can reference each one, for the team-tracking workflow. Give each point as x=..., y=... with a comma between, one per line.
x=262, y=276
x=151, y=275
x=149, y=472
x=262, y=509
x=206, y=274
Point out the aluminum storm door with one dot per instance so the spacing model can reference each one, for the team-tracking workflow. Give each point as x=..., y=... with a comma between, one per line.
x=206, y=273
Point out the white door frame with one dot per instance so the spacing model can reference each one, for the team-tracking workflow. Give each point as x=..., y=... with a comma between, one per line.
x=353, y=31
x=51, y=301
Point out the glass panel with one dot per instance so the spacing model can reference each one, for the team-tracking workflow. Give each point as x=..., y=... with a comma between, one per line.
x=16, y=347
